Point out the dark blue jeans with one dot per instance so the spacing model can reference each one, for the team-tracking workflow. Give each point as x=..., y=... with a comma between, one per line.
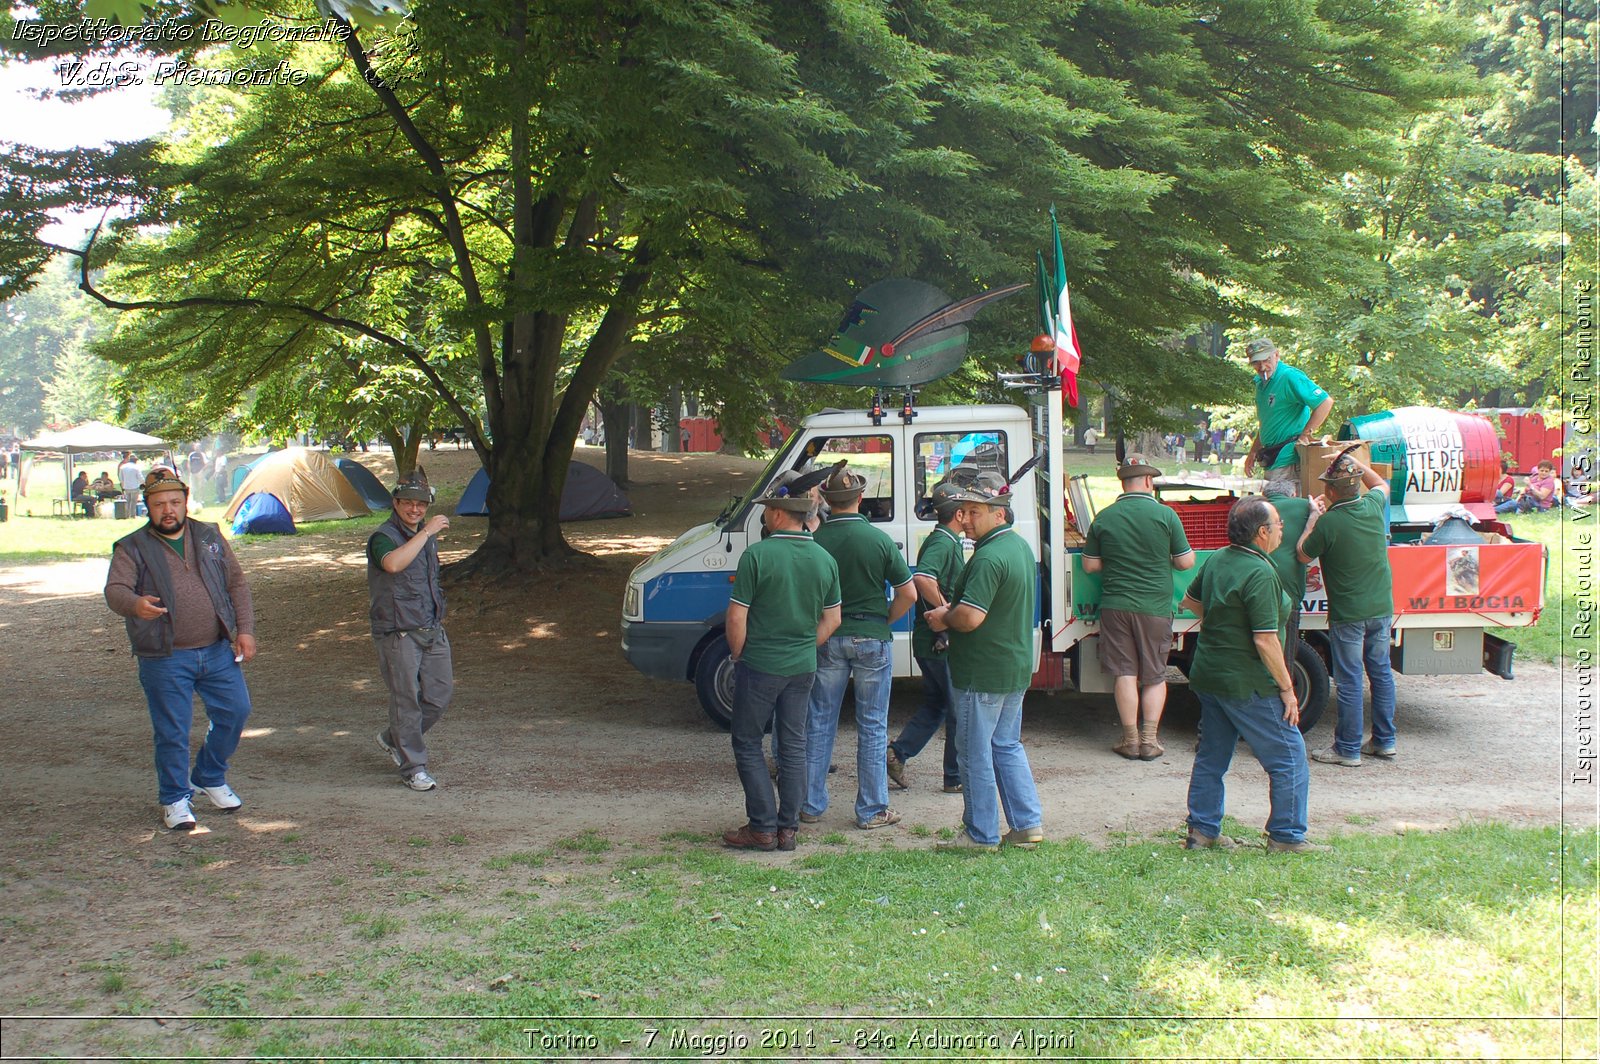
x=1276, y=744
x=936, y=708
x=760, y=698
x=170, y=684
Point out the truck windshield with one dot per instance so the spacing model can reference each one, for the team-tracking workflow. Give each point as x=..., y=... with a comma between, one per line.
x=737, y=504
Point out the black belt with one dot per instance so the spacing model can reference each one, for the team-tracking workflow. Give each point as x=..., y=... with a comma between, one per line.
x=867, y=617
x=1269, y=455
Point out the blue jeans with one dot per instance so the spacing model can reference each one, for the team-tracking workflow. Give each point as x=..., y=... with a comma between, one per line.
x=760, y=699
x=1276, y=743
x=170, y=684
x=936, y=709
x=989, y=750
x=871, y=663
x=1356, y=645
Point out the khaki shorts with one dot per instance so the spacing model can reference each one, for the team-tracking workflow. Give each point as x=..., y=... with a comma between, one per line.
x=1135, y=644
x=1284, y=480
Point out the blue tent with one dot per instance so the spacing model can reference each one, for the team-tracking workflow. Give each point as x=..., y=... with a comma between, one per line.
x=262, y=513
x=242, y=471
x=588, y=494
x=368, y=486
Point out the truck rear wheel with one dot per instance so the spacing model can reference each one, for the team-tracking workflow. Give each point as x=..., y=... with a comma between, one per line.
x=1310, y=685
x=713, y=681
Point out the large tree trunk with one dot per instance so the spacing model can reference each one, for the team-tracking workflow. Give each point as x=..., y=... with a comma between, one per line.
x=614, y=416
x=404, y=442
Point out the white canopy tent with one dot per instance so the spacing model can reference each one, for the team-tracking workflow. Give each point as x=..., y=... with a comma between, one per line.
x=90, y=437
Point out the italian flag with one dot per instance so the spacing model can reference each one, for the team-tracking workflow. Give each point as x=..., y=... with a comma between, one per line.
x=1055, y=318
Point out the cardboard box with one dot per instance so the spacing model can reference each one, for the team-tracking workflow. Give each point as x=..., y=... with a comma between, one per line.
x=1315, y=460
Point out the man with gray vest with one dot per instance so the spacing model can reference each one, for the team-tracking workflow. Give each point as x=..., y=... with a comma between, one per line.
x=191, y=624
x=408, y=626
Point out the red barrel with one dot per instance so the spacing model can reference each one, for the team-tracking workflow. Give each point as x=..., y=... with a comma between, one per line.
x=1441, y=459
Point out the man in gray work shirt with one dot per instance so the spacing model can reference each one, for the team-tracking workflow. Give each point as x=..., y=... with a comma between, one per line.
x=408, y=626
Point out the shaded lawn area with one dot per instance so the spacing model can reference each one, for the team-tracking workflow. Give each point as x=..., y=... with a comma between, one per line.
x=1137, y=950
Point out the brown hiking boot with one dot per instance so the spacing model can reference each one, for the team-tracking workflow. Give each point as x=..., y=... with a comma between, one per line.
x=1274, y=846
x=748, y=838
x=786, y=837
x=897, y=769
x=1023, y=838
x=882, y=820
x=1197, y=841
x=1128, y=748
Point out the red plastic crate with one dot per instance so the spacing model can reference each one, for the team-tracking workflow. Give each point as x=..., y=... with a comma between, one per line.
x=1204, y=523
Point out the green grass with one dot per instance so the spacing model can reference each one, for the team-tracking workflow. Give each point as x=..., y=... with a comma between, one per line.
x=1140, y=950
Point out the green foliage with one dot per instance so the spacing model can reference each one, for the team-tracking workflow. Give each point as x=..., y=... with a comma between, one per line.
x=40, y=332
x=1460, y=239
x=508, y=199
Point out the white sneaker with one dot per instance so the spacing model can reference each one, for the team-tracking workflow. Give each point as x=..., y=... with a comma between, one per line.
x=178, y=816
x=389, y=748
x=421, y=781
x=221, y=796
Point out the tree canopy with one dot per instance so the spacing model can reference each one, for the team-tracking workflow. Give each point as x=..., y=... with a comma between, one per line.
x=504, y=199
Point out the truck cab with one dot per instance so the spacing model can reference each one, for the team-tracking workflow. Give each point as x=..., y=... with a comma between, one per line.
x=675, y=603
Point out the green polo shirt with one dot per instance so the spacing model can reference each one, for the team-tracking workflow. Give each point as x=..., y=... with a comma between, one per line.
x=1352, y=541
x=867, y=560
x=786, y=581
x=941, y=557
x=997, y=656
x=1238, y=589
x=1136, y=539
x=1291, y=570
x=1283, y=407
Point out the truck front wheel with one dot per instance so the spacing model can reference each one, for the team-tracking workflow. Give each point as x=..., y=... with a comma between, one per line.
x=713, y=681
x=1310, y=685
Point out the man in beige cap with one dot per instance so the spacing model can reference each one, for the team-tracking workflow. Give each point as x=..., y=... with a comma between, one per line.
x=1135, y=544
x=1290, y=408
x=190, y=621
x=407, y=615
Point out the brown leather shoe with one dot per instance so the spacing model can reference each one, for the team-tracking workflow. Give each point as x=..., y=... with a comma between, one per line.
x=1150, y=750
x=748, y=838
x=786, y=838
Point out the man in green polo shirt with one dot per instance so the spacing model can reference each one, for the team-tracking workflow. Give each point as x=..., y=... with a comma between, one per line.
x=990, y=619
x=1243, y=683
x=785, y=601
x=1135, y=544
x=1290, y=407
x=862, y=649
x=1295, y=513
x=1352, y=539
x=939, y=565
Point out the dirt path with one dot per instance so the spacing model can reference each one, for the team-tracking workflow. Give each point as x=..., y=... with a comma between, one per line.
x=552, y=734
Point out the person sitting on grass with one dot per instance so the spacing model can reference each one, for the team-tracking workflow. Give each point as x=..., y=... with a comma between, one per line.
x=1505, y=492
x=1543, y=491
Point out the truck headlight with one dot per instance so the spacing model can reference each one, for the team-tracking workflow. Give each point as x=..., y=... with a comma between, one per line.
x=631, y=603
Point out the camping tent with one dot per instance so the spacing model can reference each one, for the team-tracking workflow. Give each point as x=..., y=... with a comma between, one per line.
x=368, y=486
x=92, y=436
x=308, y=484
x=242, y=470
x=588, y=494
x=261, y=513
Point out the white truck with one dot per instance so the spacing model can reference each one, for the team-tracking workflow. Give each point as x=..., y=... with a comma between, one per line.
x=1446, y=596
